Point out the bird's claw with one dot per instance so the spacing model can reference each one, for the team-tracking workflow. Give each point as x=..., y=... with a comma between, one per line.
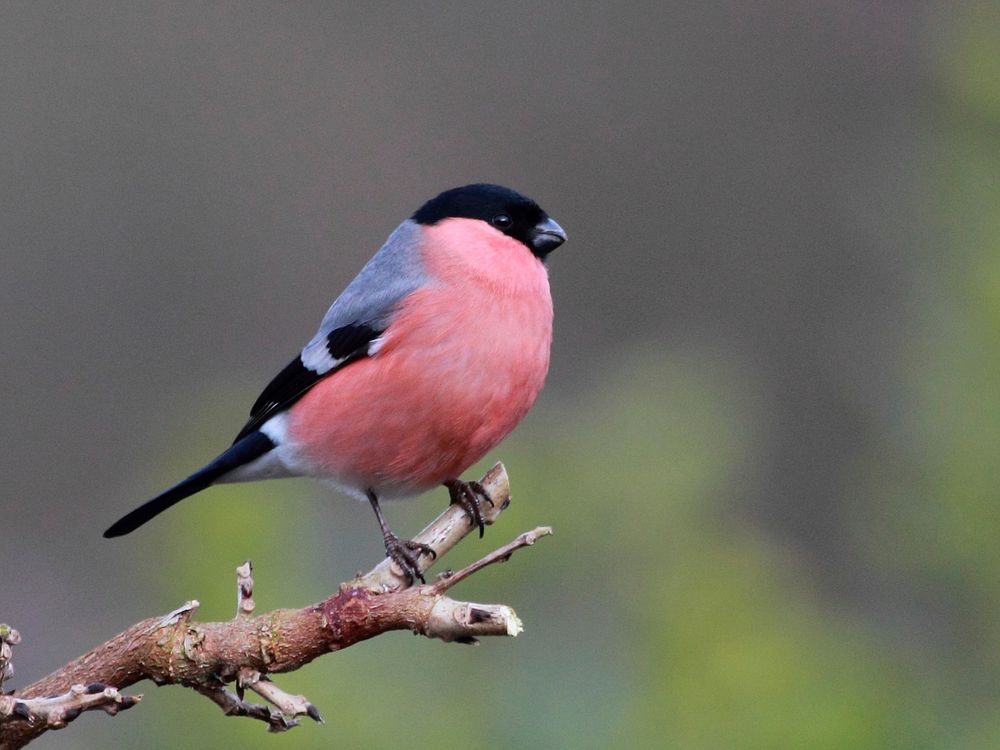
x=406, y=554
x=468, y=496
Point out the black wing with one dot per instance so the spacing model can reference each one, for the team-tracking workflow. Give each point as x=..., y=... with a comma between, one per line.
x=345, y=345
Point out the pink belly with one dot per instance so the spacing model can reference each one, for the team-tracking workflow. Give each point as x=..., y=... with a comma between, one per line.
x=451, y=380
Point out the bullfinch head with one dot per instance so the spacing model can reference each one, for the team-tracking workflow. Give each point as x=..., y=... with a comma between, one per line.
x=506, y=211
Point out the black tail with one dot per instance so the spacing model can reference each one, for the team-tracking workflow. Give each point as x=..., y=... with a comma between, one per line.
x=252, y=446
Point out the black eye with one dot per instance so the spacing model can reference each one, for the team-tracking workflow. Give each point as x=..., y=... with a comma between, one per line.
x=502, y=221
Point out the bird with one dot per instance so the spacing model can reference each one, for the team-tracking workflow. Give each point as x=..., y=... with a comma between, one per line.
x=426, y=361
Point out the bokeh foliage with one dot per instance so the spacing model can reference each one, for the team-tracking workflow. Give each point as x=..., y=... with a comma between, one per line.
x=662, y=613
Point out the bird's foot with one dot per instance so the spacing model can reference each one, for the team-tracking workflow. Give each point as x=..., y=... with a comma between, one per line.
x=469, y=495
x=406, y=554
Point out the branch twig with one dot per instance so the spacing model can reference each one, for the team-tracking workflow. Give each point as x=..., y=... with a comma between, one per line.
x=55, y=712
x=175, y=649
x=8, y=638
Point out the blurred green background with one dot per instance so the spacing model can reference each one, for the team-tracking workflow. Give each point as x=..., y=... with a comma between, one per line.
x=768, y=445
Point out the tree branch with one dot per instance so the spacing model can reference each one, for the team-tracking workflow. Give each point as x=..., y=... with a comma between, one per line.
x=175, y=649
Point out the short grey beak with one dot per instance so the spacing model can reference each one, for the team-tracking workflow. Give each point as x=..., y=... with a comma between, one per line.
x=546, y=237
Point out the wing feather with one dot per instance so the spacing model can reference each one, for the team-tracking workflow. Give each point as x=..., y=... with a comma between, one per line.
x=344, y=345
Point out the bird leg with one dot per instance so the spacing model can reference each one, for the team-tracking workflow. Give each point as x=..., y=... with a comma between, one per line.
x=467, y=496
x=404, y=552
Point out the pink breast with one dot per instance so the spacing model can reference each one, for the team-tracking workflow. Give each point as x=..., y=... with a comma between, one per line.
x=457, y=370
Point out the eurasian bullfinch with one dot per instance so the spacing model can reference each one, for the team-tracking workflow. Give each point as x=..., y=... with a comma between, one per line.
x=428, y=359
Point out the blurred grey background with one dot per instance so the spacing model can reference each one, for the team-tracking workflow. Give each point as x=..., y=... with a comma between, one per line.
x=773, y=398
